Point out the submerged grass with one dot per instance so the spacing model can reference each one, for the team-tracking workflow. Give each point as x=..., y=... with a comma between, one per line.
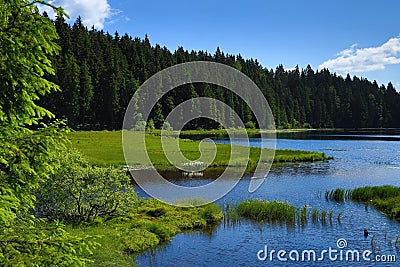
x=152, y=224
x=105, y=148
x=384, y=198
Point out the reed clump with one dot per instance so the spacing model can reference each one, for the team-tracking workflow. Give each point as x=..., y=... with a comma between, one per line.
x=276, y=212
x=338, y=195
x=262, y=210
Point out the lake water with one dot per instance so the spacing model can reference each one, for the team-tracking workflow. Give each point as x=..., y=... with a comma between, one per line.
x=359, y=160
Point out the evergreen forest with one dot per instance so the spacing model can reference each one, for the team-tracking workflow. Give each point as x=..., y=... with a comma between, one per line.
x=98, y=73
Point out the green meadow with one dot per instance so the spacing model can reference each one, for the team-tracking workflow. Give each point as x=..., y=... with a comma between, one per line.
x=104, y=148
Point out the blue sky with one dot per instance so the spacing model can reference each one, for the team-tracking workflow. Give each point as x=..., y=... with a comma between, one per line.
x=359, y=37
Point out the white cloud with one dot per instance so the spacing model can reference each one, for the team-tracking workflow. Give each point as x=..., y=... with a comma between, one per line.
x=92, y=12
x=365, y=59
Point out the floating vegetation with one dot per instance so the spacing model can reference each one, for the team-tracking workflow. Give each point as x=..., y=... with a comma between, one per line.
x=275, y=212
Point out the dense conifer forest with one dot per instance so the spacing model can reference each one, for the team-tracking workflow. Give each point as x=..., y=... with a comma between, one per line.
x=98, y=73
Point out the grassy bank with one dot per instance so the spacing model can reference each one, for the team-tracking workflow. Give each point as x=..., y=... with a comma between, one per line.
x=386, y=198
x=104, y=148
x=153, y=223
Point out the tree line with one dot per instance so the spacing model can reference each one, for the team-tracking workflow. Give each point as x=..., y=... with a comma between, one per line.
x=98, y=73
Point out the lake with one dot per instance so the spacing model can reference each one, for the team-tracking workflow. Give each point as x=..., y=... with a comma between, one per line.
x=359, y=160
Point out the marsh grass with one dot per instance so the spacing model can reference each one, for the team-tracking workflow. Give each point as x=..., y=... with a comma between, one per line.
x=324, y=215
x=330, y=215
x=397, y=243
x=338, y=195
x=339, y=217
x=274, y=212
x=303, y=214
x=386, y=198
x=231, y=216
x=373, y=243
x=152, y=224
x=315, y=215
x=104, y=148
x=265, y=211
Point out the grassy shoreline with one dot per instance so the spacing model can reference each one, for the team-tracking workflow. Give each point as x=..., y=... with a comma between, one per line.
x=103, y=148
x=385, y=199
x=152, y=224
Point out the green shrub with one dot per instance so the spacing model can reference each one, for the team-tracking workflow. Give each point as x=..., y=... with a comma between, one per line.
x=79, y=192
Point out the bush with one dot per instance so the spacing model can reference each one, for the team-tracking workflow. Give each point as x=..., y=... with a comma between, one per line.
x=79, y=192
x=250, y=125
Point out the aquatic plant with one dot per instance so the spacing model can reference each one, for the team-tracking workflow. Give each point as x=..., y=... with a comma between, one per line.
x=262, y=210
x=338, y=195
x=315, y=215
x=330, y=215
x=231, y=217
x=273, y=212
x=324, y=215
x=368, y=193
x=397, y=243
x=384, y=198
x=339, y=217
x=303, y=214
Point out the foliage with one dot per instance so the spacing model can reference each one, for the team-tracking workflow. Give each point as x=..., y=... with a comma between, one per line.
x=117, y=65
x=43, y=244
x=79, y=192
x=24, y=163
x=27, y=39
x=250, y=125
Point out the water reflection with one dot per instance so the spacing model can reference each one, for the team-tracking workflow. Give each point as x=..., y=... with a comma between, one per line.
x=357, y=163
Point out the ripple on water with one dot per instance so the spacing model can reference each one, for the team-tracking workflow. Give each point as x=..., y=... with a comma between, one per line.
x=357, y=163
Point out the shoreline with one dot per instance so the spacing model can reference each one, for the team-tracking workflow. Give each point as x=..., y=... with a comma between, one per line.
x=104, y=148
